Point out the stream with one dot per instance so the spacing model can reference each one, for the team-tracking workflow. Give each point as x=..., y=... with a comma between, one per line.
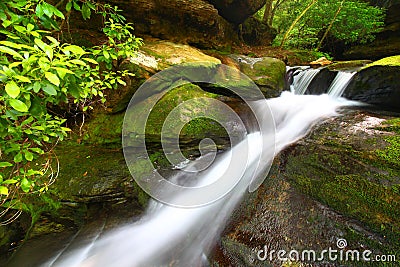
x=173, y=236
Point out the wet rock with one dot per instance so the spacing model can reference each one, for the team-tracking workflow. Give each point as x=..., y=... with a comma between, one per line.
x=339, y=182
x=377, y=84
x=266, y=72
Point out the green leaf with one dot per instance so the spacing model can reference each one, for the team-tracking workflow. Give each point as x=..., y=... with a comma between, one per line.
x=40, y=44
x=90, y=60
x=53, y=78
x=39, y=10
x=36, y=87
x=12, y=89
x=18, y=105
x=74, y=49
x=5, y=164
x=68, y=6
x=3, y=190
x=23, y=78
x=53, y=40
x=10, y=181
x=85, y=11
x=78, y=62
x=30, y=27
x=25, y=185
x=10, y=51
x=58, y=13
x=18, y=157
x=62, y=72
x=47, y=9
x=28, y=155
x=50, y=89
x=11, y=44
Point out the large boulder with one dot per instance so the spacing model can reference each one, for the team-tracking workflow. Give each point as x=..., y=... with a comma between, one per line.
x=377, y=84
x=237, y=11
x=193, y=22
x=342, y=181
x=266, y=72
x=153, y=57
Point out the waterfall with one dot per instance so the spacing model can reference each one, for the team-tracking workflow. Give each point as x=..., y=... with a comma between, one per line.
x=339, y=84
x=301, y=78
x=172, y=236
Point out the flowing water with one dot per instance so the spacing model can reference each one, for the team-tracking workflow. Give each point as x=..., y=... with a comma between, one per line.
x=170, y=236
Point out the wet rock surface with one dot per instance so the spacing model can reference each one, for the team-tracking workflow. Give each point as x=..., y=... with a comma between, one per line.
x=336, y=183
x=376, y=85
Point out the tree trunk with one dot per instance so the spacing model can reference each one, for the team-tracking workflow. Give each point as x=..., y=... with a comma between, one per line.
x=330, y=26
x=295, y=22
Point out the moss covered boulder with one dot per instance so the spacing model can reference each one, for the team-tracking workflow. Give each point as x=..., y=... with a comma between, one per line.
x=267, y=73
x=198, y=117
x=342, y=181
x=153, y=57
x=377, y=84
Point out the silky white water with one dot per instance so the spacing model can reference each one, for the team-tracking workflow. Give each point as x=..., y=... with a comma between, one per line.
x=170, y=236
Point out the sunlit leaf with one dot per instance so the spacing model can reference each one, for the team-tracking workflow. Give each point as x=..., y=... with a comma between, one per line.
x=12, y=89
x=18, y=105
x=53, y=78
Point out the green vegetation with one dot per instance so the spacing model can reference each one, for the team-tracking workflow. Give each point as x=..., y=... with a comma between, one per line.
x=39, y=71
x=308, y=24
x=387, y=61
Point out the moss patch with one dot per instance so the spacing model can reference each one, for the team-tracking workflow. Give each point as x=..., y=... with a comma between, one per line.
x=356, y=175
x=387, y=61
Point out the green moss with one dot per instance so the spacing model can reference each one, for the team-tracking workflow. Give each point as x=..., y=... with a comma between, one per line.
x=387, y=61
x=391, y=154
x=348, y=65
x=104, y=128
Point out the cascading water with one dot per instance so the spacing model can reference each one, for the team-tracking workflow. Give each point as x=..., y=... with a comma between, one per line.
x=171, y=236
x=302, y=77
x=339, y=84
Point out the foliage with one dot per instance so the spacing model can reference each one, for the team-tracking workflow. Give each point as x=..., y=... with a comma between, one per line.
x=37, y=72
x=351, y=21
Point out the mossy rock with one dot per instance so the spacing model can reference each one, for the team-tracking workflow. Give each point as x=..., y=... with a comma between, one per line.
x=266, y=72
x=333, y=184
x=377, y=84
x=351, y=65
x=387, y=61
x=353, y=170
x=153, y=57
x=198, y=115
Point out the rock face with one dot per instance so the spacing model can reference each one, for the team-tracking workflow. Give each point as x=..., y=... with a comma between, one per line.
x=237, y=11
x=340, y=182
x=377, y=84
x=192, y=22
x=208, y=24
